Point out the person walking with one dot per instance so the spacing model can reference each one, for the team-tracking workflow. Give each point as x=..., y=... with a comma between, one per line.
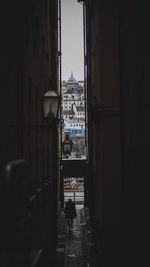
x=70, y=212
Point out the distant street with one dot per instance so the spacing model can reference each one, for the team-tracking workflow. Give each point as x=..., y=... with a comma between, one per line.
x=73, y=157
x=76, y=196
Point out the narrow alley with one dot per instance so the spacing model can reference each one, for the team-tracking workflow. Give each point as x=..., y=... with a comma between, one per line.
x=73, y=247
x=115, y=166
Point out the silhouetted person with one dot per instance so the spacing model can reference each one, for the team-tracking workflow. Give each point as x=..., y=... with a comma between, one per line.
x=70, y=212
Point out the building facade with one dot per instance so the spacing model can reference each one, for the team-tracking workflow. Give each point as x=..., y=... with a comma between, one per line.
x=73, y=111
x=28, y=147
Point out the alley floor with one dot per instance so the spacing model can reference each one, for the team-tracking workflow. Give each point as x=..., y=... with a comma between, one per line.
x=73, y=247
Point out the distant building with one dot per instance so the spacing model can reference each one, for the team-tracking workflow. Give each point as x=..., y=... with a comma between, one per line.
x=75, y=128
x=79, y=111
x=73, y=108
x=72, y=86
x=72, y=79
x=68, y=114
x=69, y=100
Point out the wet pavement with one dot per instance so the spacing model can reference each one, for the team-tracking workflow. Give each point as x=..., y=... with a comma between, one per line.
x=73, y=247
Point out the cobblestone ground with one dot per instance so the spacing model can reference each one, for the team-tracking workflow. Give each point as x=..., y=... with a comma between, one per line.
x=72, y=246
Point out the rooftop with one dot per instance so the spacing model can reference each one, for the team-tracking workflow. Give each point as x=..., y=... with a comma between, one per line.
x=80, y=108
x=68, y=112
x=74, y=121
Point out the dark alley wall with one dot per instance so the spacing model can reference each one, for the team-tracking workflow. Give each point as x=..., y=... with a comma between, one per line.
x=104, y=85
x=119, y=128
x=135, y=127
x=28, y=53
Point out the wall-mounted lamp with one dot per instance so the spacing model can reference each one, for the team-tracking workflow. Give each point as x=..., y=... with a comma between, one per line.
x=51, y=104
x=67, y=146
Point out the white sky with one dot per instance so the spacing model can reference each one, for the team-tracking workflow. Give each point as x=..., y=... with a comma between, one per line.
x=72, y=39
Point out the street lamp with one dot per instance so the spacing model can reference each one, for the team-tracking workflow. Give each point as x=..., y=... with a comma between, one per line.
x=51, y=102
x=67, y=146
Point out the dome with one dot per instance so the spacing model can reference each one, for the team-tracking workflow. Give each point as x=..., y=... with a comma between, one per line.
x=71, y=79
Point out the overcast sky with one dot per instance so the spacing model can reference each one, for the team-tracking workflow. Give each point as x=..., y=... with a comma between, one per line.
x=72, y=39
